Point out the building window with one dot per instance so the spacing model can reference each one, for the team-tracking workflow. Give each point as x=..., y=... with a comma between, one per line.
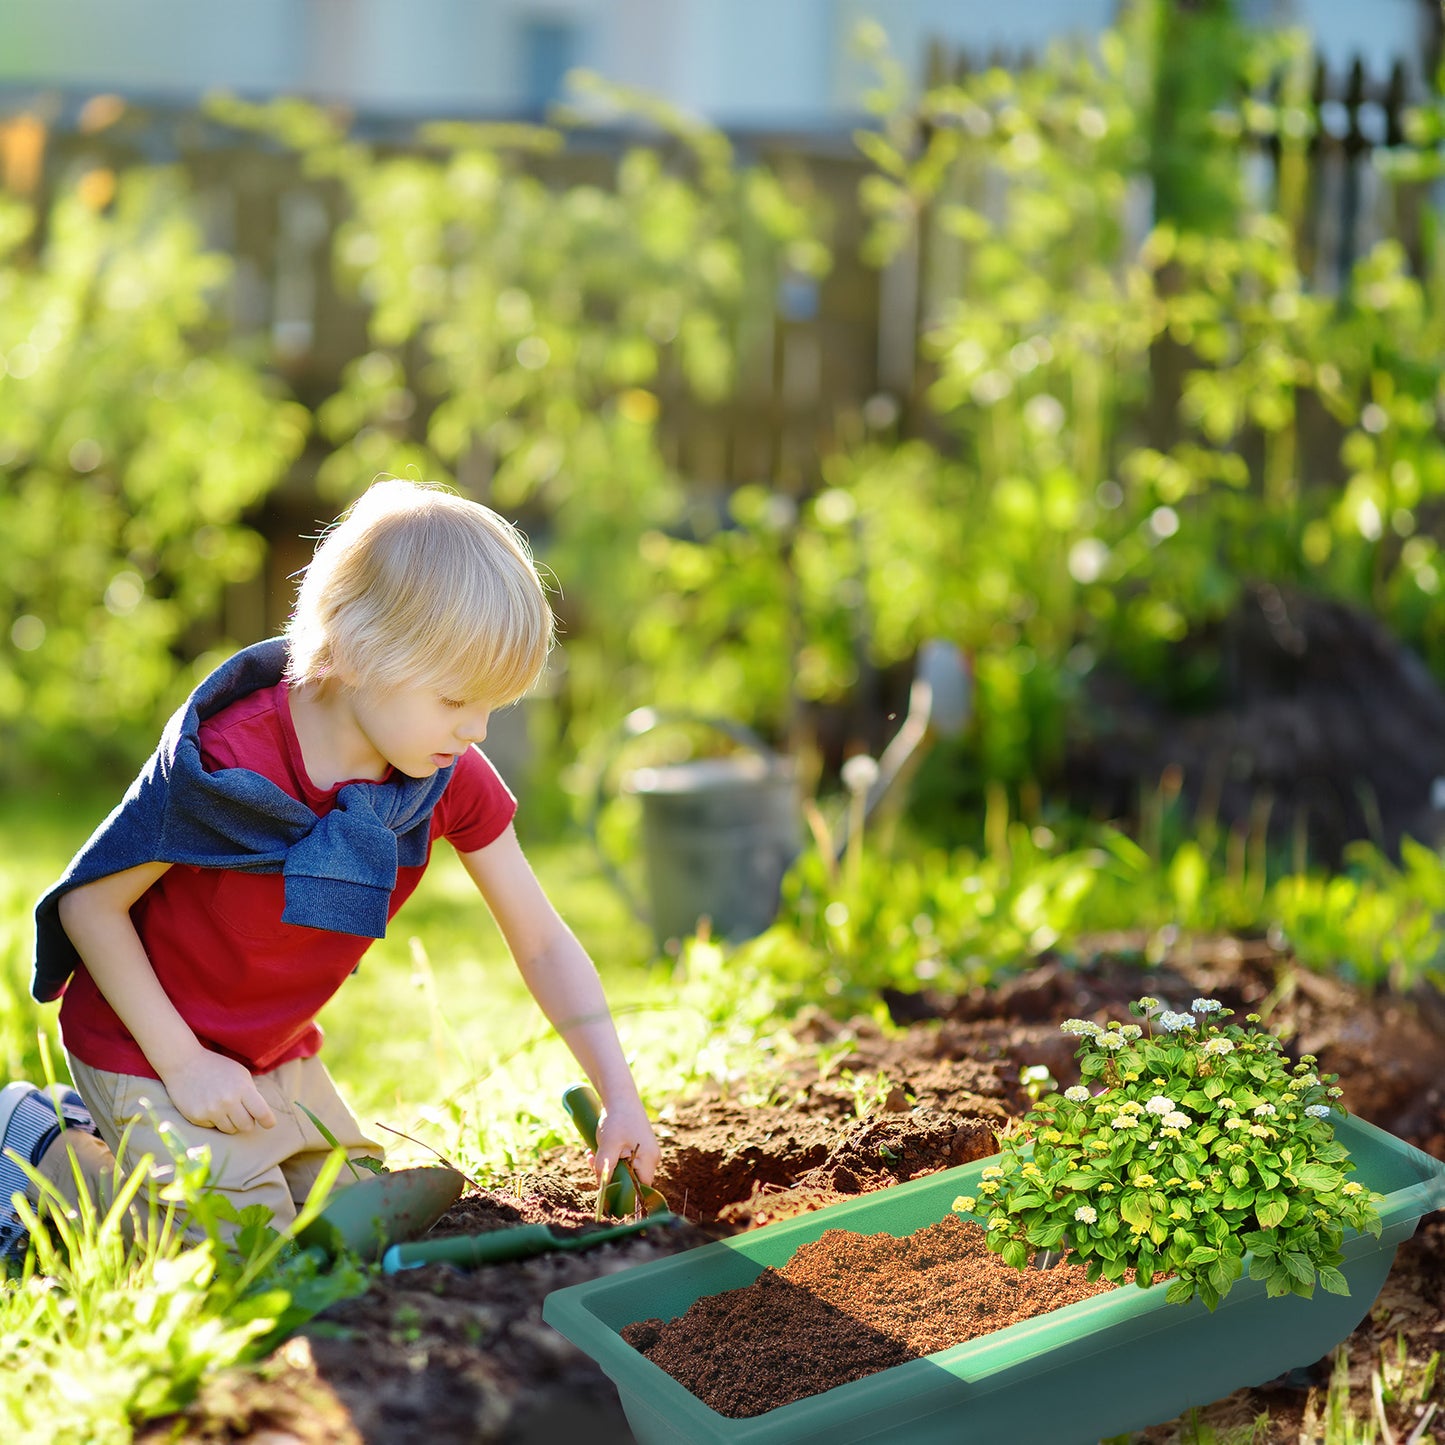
x=549, y=50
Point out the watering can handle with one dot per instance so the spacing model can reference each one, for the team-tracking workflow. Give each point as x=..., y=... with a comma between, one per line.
x=642, y=720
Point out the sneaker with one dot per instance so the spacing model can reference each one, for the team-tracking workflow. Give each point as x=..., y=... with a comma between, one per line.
x=31, y=1120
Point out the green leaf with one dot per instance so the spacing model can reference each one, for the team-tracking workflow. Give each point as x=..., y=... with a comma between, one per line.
x=1223, y=1273
x=1180, y=1292
x=1134, y=1209
x=1026, y=1199
x=1318, y=1177
x=1270, y=1209
x=1048, y=1234
x=1332, y=1280
x=1298, y=1267
x=1016, y=1254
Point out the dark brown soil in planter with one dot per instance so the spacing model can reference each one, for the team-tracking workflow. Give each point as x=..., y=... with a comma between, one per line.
x=846, y=1306
x=463, y=1358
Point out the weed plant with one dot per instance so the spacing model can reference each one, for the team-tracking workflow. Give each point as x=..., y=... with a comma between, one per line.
x=913, y=915
x=121, y=1309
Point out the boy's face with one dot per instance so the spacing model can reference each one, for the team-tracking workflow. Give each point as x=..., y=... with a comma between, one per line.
x=417, y=729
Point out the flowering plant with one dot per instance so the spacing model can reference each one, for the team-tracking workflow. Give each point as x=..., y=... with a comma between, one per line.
x=1188, y=1144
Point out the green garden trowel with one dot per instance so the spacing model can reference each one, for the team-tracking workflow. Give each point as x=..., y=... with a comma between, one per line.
x=365, y=1217
x=624, y=1193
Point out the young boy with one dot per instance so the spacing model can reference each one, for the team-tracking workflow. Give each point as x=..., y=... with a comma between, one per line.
x=288, y=812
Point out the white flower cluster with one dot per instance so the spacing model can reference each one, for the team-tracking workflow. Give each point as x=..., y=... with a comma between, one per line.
x=1078, y=1094
x=1086, y=1214
x=1318, y=1111
x=1206, y=1005
x=1160, y=1104
x=1081, y=1026
x=1219, y=1046
x=1173, y=1023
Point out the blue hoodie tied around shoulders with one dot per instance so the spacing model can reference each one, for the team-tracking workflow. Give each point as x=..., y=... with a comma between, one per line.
x=339, y=870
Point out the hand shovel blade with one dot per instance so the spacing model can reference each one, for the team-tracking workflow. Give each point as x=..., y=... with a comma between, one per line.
x=380, y=1209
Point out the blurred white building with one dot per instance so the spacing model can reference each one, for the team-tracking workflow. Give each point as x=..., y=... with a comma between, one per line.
x=743, y=64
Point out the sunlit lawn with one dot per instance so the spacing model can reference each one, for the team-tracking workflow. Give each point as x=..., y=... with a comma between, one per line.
x=435, y=1035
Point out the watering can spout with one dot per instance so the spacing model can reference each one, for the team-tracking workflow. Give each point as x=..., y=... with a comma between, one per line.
x=940, y=704
x=943, y=669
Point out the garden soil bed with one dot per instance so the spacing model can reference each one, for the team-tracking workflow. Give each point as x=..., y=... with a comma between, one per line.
x=455, y=1357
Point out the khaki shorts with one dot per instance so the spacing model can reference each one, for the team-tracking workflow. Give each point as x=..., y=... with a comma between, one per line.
x=273, y=1167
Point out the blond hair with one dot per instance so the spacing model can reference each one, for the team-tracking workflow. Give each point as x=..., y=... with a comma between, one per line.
x=417, y=586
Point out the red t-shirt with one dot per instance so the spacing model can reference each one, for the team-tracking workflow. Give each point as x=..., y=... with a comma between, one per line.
x=249, y=985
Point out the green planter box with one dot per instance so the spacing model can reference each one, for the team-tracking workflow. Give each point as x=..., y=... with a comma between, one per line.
x=1117, y=1362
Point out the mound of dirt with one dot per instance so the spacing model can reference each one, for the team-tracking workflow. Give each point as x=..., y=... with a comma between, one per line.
x=458, y=1357
x=1296, y=714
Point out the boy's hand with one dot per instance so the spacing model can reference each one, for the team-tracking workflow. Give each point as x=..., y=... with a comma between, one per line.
x=626, y=1133
x=218, y=1093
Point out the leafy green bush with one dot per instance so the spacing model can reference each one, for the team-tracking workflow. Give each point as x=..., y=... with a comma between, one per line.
x=132, y=440
x=1117, y=412
x=1188, y=1144
x=1380, y=924
x=531, y=309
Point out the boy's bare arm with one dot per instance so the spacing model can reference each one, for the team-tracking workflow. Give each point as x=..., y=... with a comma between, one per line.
x=561, y=977
x=208, y=1088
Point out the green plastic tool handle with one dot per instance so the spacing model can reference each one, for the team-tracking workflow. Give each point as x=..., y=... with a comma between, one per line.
x=584, y=1108
x=520, y=1241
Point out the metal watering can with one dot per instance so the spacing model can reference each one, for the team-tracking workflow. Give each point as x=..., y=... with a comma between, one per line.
x=718, y=833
